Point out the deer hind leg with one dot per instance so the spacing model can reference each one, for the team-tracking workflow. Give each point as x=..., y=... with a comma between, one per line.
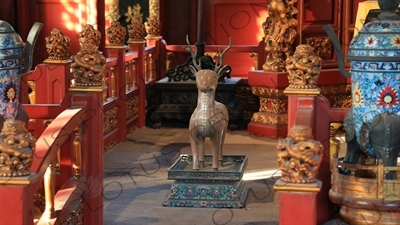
x=221, y=146
x=215, y=150
x=216, y=146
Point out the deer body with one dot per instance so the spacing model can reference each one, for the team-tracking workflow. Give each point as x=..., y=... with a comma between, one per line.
x=209, y=119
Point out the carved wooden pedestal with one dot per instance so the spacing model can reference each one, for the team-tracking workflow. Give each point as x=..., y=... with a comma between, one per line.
x=271, y=120
x=297, y=202
x=179, y=99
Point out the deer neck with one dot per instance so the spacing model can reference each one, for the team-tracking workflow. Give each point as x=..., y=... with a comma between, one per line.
x=205, y=107
x=206, y=101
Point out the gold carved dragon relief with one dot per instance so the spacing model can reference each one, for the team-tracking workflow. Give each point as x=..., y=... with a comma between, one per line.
x=303, y=68
x=89, y=65
x=58, y=45
x=280, y=32
x=299, y=156
x=17, y=146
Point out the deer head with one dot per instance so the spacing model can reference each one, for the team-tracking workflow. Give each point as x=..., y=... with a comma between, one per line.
x=208, y=74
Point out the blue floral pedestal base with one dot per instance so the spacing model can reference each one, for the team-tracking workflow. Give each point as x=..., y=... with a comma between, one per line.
x=207, y=188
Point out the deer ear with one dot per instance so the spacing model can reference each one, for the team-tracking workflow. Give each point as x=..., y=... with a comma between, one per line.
x=193, y=70
x=221, y=71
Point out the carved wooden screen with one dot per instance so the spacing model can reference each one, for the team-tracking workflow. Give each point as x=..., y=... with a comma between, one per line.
x=349, y=19
x=312, y=16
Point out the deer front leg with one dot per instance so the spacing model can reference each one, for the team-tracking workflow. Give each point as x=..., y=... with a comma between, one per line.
x=216, y=148
x=196, y=143
x=200, y=151
x=221, y=146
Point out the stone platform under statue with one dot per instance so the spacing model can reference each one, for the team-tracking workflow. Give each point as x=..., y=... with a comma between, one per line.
x=205, y=187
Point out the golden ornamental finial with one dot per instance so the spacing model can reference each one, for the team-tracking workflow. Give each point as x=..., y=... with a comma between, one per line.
x=153, y=26
x=89, y=65
x=58, y=45
x=303, y=68
x=136, y=30
x=116, y=33
x=280, y=33
x=89, y=37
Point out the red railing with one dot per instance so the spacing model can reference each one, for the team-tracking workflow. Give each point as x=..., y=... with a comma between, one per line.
x=18, y=193
x=130, y=71
x=316, y=112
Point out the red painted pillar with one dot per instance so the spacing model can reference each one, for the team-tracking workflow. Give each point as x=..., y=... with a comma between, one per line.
x=307, y=107
x=159, y=56
x=92, y=156
x=297, y=202
x=301, y=107
x=140, y=70
x=120, y=87
x=16, y=199
x=57, y=81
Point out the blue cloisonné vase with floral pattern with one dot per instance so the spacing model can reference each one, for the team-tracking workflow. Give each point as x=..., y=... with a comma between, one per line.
x=11, y=53
x=374, y=56
x=15, y=59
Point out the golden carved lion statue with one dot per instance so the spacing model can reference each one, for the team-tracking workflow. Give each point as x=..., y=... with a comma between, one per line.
x=17, y=146
x=299, y=156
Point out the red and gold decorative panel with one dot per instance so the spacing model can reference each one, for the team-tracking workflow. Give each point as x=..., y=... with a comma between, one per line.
x=312, y=16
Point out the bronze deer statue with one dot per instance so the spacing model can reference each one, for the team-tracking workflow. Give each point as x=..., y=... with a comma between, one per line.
x=210, y=118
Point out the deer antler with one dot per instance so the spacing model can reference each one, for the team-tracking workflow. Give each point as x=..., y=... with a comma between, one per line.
x=195, y=64
x=219, y=65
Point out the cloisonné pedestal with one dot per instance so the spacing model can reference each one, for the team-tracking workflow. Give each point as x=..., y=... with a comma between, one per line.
x=207, y=188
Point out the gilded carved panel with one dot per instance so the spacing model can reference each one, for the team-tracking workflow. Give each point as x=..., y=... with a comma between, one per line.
x=268, y=92
x=273, y=105
x=245, y=93
x=76, y=215
x=110, y=120
x=270, y=118
x=322, y=46
x=132, y=107
x=110, y=145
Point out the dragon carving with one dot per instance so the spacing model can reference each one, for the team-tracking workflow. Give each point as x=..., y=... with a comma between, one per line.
x=17, y=146
x=299, y=156
x=89, y=65
x=303, y=68
x=58, y=45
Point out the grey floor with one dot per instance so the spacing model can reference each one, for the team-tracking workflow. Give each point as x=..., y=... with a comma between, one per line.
x=136, y=184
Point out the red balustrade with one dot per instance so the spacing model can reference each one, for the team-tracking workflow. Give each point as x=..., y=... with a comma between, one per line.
x=17, y=193
x=312, y=110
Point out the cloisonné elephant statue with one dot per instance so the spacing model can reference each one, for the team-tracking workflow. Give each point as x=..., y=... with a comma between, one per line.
x=383, y=134
x=354, y=150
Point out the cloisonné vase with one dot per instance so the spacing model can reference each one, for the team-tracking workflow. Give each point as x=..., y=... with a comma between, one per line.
x=15, y=59
x=374, y=56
